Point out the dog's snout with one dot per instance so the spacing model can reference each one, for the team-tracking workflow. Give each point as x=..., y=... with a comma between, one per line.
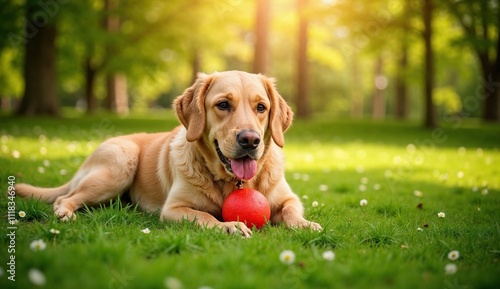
x=248, y=139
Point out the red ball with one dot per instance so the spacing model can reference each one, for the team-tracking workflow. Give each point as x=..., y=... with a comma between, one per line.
x=248, y=206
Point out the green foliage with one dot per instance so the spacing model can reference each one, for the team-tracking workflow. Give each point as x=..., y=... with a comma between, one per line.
x=397, y=240
x=448, y=99
x=10, y=78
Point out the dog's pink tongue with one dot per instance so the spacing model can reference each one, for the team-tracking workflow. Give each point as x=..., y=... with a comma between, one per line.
x=244, y=168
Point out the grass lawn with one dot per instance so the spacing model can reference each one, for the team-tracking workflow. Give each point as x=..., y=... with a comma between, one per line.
x=406, y=174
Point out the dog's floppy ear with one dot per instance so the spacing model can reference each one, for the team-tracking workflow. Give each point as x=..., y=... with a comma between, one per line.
x=190, y=107
x=280, y=114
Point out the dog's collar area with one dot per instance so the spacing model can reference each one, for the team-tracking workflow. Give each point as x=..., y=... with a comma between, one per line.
x=223, y=159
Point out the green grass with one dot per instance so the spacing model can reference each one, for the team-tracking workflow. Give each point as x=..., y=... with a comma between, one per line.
x=331, y=165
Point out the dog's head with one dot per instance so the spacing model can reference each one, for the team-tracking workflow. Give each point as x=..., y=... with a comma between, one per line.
x=237, y=115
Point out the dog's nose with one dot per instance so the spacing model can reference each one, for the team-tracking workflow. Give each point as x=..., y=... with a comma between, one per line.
x=248, y=139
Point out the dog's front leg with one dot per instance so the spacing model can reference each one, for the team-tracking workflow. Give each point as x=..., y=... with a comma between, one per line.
x=289, y=209
x=292, y=216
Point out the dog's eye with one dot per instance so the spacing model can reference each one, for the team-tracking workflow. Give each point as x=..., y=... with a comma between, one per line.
x=223, y=105
x=261, y=108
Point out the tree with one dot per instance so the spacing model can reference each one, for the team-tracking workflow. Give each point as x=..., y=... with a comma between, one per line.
x=90, y=78
x=261, y=36
x=356, y=94
x=40, y=97
x=430, y=120
x=480, y=21
x=116, y=83
x=378, y=108
x=401, y=93
x=302, y=96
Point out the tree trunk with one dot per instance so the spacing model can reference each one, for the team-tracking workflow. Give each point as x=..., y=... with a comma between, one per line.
x=302, y=98
x=378, y=109
x=401, y=94
x=40, y=89
x=490, y=93
x=90, y=75
x=356, y=94
x=491, y=83
x=116, y=84
x=261, y=32
x=117, y=99
x=430, y=120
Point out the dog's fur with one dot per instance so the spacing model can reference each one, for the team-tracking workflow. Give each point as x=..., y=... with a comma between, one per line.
x=179, y=173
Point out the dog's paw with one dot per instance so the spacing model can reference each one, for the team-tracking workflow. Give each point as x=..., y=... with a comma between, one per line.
x=315, y=226
x=305, y=224
x=64, y=214
x=64, y=209
x=236, y=228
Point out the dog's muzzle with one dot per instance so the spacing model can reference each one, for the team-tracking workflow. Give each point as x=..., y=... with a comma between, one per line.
x=244, y=167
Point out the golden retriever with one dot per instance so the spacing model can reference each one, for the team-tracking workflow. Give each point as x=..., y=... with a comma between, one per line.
x=232, y=129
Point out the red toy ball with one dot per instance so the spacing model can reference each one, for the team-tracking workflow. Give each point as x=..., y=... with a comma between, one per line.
x=248, y=206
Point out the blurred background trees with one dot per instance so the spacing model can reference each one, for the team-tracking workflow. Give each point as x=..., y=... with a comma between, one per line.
x=406, y=59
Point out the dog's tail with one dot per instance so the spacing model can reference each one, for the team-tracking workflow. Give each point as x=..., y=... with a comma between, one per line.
x=48, y=195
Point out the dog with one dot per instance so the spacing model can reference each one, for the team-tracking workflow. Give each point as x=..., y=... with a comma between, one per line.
x=232, y=129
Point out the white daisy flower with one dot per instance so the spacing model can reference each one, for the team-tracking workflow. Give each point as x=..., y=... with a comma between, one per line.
x=441, y=214
x=323, y=188
x=146, y=231
x=453, y=255
x=329, y=255
x=450, y=269
x=36, y=277
x=22, y=214
x=172, y=283
x=38, y=245
x=363, y=202
x=55, y=231
x=418, y=193
x=315, y=204
x=287, y=257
